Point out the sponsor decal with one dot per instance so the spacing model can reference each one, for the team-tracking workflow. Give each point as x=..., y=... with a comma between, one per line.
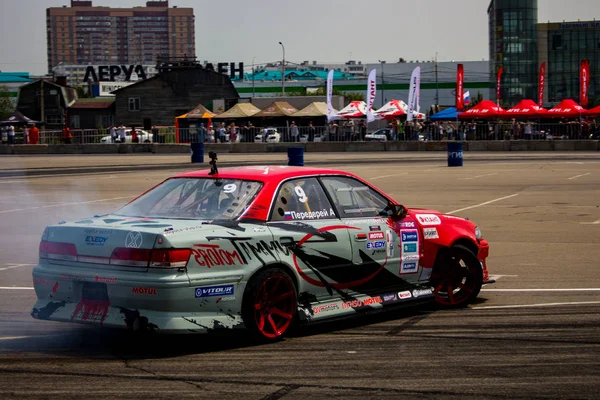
x=376, y=245
x=145, y=291
x=421, y=292
x=212, y=255
x=409, y=247
x=171, y=231
x=287, y=215
x=409, y=236
x=407, y=224
x=105, y=279
x=404, y=295
x=310, y=214
x=362, y=303
x=134, y=240
x=390, y=243
x=378, y=251
x=373, y=228
x=411, y=257
x=430, y=233
x=389, y=297
x=41, y=281
x=365, y=221
x=429, y=219
x=376, y=236
x=95, y=240
x=71, y=277
x=325, y=308
x=408, y=268
x=94, y=232
x=211, y=291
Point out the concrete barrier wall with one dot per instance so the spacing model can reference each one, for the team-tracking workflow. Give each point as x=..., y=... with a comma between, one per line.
x=324, y=147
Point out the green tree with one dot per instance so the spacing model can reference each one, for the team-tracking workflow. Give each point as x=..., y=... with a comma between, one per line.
x=6, y=105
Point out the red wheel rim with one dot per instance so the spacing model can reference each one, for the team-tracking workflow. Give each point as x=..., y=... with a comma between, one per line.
x=274, y=306
x=454, y=285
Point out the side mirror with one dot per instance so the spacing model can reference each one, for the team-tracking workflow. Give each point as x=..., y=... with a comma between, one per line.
x=396, y=211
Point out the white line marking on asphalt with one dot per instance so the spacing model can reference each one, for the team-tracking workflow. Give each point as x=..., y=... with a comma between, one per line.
x=387, y=176
x=24, y=337
x=579, y=176
x=544, y=290
x=502, y=276
x=483, y=204
x=591, y=223
x=478, y=176
x=577, y=303
x=11, y=266
x=65, y=204
x=15, y=288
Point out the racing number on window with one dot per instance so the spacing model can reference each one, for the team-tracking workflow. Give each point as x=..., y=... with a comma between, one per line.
x=229, y=188
x=300, y=193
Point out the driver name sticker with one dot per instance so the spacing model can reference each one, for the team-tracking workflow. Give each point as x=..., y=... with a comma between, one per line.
x=296, y=215
x=429, y=219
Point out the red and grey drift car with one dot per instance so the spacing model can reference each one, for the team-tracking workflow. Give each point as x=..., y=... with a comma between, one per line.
x=259, y=248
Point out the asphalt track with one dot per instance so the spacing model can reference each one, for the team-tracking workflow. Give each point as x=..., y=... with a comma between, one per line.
x=535, y=334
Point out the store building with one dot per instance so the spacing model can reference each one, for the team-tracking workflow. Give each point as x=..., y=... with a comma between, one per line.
x=562, y=46
x=86, y=35
x=513, y=46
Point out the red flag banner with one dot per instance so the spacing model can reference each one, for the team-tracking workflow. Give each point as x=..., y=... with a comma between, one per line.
x=460, y=79
x=542, y=83
x=584, y=82
x=498, y=80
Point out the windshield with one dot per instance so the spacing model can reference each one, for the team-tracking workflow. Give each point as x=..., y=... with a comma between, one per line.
x=194, y=198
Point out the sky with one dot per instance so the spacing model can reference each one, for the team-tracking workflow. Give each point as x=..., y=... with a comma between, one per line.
x=327, y=31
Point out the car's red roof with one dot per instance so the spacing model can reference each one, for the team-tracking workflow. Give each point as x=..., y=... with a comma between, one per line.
x=263, y=173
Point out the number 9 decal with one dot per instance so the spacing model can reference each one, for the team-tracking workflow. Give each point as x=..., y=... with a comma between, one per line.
x=300, y=193
x=229, y=188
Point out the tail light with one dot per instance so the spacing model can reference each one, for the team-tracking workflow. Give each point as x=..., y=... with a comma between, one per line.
x=58, y=251
x=170, y=258
x=153, y=258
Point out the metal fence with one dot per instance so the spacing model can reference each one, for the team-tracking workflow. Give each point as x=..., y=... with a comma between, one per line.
x=344, y=133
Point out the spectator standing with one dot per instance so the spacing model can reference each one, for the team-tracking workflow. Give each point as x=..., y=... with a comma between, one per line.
x=154, y=134
x=34, y=135
x=134, y=135
x=312, y=131
x=25, y=134
x=294, y=132
x=11, y=134
x=112, y=131
x=202, y=133
x=252, y=130
x=222, y=132
x=233, y=133
x=67, y=135
x=122, y=136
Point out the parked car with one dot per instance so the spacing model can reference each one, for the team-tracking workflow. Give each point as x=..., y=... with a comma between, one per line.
x=272, y=136
x=144, y=137
x=256, y=248
x=380, y=135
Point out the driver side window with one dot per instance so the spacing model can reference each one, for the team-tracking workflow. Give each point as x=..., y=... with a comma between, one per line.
x=300, y=200
x=354, y=199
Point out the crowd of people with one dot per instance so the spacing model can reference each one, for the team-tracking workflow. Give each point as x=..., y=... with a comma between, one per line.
x=31, y=134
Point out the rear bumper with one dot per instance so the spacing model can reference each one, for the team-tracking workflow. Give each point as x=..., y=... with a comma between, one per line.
x=103, y=314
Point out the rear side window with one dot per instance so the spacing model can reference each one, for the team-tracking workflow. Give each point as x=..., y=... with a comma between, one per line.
x=354, y=199
x=300, y=200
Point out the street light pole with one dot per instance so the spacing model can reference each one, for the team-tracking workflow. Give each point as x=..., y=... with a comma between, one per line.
x=283, y=71
x=382, y=84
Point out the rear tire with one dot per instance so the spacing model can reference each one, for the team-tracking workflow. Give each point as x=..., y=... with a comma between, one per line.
x=456, y=278
x=269, y=304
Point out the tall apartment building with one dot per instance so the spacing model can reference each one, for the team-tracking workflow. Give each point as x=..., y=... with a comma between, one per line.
x=86, y=35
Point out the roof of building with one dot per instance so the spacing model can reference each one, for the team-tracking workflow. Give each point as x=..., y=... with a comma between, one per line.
x=95, y=103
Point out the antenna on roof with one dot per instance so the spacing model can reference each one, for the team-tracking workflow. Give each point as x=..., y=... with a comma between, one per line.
x=213, y=163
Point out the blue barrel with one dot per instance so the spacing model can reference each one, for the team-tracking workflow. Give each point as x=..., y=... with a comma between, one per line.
x=455, y=154
x=197, y=150
x=296, y=156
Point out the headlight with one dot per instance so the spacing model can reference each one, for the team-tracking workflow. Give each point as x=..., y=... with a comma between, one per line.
x=478, y=234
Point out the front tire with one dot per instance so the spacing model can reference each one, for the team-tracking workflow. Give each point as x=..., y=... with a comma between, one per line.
x=457, y=277
x=269, y=304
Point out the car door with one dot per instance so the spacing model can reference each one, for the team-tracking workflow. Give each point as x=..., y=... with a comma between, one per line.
x=377, y=242
x=318, y=245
